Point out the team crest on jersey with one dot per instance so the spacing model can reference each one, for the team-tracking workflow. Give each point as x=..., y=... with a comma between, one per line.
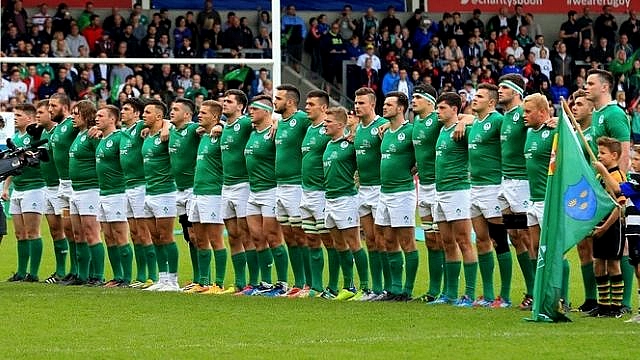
x=109, y=143
x=374, y=131
x=429, y=122
x=601, y=119
x=516, y=117
x=344, y=144
x=214, y=140
x=401, y=137
x=133, y=132
x=157, y=141
x=545, y=134
x=322, y=131
x=26, y=140
x=292, y=122
x=64, y=128
x=486, y=126
x=236, y=127
x=266, y=136
x=184, y=132
x=83, y=138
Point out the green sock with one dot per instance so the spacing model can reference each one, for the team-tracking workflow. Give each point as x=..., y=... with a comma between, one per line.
x=452, y=269
x=317, y=267
x=23, y=256
x=161, y=255
x=126, y=259
x=306, y=263
x=73, y=258
x=114, y=260
x=220, y=257
x=534, y=266
x=265, y=259
x=362, y=266
x=627, y=277
x=193, y=254
x=204, y=266
x=97, y=258
x=84, y=257
x=565, y=281
x=333, y=264
x=297, y=265
x=239, y=262
x=589, y=281
x=152, y=262
x=61, y=248
x=346, y=263
x=436, y=270
x=505, y=264
x=172, y=257
x=375, y=267
x=386, y=271
x=253, y=266
x=470, y=278
x=395, y=265
x=527, y=271
x=486, y=263
x=141, y=263
x=282, y=263
x=412, y=260
x=35, y=256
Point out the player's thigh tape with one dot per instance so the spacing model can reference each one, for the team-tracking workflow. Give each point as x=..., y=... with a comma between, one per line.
x=498, y=233
x=429, y=227
x=515, y=221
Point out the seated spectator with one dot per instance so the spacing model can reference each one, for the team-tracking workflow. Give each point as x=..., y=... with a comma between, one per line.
x=164, y=47
x=139, y=29
x=511, y=67
x=585, y=52
x=563, y=63
x=369, y=54
x=47, y=88
x=558, y=90
x=247, y=32
x=214, y=33
x=620, y=65
x=234, y=36
x=186, y=51
x=452, y=51
x=60, y=48
x=149, y=49
x=74, y=40
x=603, y=53
x=263, y=42
x=196, y=88
x=404, y=84
x=64, y=83
x=523, y=37
x=353, y=48
x=492, y=53
x=538, y=46
x=105, y=45
x=516, y=50
x=504, y=41
x=180, y=32
x=623, y=44
x=472, y=49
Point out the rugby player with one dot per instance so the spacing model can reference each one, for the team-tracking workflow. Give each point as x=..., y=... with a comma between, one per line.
x=235, y=189
x=183, y=146
x=341, y=212
x=452, y=210
x=367, y=139
x=396, y=206
x=112, y=211
x=27, y=201
x=264, y=228
x=160, y=197
x=205, y=212
x=59, y=143
x=312, y=203
x=133, y=171
x=289, y=135
x=85, y=197
x=53, y=205
x=486, y=178
x=514, y=194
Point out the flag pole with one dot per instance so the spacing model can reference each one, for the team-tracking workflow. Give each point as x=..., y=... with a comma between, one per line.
x=578, y=128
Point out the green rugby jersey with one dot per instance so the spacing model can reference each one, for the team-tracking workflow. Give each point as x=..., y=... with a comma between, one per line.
x=260, y=156
x=288, y=142
x=425, y=135
x=313, y=145
x=397, y=159
x=31, y=177
x=131, y=155
x=485, y=167
x=82, y=162
x=513, y=135
x=48, y=168
x=183, y=149
x=339, y=167
x=63, y=136
x=588, y=135
x=367, y=143
x=610, y=120
x=537, y=152
x=208, y=174
x=452, y=161
x=157, y=166
x=110, y=178
x=232, y=143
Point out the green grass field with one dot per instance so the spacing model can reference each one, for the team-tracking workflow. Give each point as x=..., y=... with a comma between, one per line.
x=50, y=321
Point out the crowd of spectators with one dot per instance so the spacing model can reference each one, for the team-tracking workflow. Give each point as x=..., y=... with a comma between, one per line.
x=456, y=54
x=126, y=34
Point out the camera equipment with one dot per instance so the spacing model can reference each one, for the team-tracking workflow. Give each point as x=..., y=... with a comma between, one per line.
x=14, y=159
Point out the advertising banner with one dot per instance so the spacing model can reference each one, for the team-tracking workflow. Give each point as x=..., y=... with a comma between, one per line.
x=533, y=6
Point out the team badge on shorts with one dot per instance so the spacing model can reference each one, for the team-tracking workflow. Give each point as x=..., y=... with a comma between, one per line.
x=401, y=137
x=293, y=122
x=486, y=126
x=236, y=127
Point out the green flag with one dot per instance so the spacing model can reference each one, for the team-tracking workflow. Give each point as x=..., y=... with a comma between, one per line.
x=114, y=89
x=574, y=204
x=239, y=74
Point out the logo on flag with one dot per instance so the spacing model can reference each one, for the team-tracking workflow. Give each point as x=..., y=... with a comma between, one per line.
x=580, y=201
